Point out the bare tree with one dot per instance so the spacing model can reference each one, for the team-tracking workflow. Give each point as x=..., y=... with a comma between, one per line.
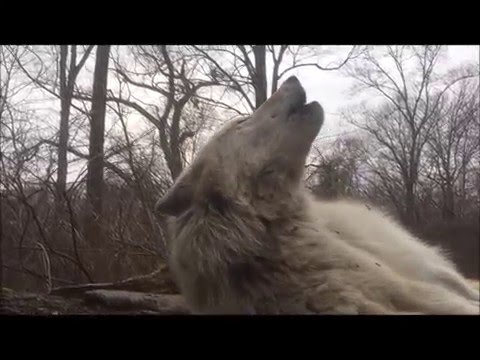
x=14, y=137
x=65, y=74
x=453, y=143
x=67, y=83
x=3, y=85
x=97, y=132
x=243, y=69
x=170, y=79
x=260, y=80
x=412, y=97
x=335, y=170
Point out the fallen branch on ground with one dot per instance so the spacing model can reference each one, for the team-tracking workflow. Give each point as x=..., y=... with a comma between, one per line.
x=127, y=300
x=158, y=282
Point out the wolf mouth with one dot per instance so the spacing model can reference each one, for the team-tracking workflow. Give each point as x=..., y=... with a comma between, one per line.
x=312, y=110
x=299, y=105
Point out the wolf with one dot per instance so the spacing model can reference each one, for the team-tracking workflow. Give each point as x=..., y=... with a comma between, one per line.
x=246, y=236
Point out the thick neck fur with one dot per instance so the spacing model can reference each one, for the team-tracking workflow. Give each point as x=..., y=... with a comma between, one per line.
x=231, y=256
x=226, y=251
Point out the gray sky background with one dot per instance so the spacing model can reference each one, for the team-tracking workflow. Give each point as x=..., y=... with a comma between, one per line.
x=330, y=88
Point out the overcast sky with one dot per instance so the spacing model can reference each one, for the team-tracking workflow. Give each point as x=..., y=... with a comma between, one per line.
x=330, y=88
x=327, y=87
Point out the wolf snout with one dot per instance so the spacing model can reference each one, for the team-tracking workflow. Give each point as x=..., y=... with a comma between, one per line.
x=312, y=113
x=293, y=80
x=314, y=108
x=289, y=97
x=293, y=86
x=294, y=92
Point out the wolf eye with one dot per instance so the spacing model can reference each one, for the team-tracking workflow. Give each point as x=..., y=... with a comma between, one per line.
x=242, y=121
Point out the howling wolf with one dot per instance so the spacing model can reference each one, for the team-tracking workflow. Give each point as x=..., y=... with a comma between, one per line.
x=247, y=238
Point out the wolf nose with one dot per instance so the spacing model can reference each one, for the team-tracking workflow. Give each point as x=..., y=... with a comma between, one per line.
x=294, y=92
x=292, y=80
x=292, y=84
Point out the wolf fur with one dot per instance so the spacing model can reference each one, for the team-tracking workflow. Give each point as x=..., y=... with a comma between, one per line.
x=247, y=238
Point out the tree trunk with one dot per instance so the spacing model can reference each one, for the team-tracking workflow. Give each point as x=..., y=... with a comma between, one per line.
x=95, y=186
x=63, y=135
x=97, y=129
x=174, y=160
x=176, y=165
x=66, y=94
x=463, y=190
x=410, y=210
x=448, y=208
x=260, y=81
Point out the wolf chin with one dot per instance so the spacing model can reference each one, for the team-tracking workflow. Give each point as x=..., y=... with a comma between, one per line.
x=247, y=238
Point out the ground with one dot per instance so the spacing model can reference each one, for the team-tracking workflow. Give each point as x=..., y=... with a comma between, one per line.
x=40, y=304
x=153, y=293
x=109, y=302
x=105, y=302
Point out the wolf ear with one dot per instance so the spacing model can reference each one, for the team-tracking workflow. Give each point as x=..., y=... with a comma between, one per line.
x=177, y=199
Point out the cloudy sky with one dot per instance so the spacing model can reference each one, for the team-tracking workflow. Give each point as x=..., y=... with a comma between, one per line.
x=330, y=87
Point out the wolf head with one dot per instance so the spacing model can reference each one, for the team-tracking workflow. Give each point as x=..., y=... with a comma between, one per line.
x=257, y=161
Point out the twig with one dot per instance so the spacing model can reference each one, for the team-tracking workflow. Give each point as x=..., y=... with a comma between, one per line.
x=159, y=281
x=25, y=270
x=74, y=240
x=46, y=265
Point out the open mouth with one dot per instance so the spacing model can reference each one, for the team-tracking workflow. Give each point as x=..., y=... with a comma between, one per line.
x=312, y=109
x=299, y=105
x=308, y=117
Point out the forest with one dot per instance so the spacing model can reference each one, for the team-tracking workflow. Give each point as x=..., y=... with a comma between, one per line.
x=91, y=136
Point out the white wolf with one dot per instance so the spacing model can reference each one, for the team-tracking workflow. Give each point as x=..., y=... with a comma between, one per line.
x=247, y=238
